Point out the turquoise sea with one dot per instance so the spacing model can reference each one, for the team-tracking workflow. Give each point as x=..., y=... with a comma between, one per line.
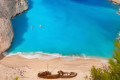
x=69, y=27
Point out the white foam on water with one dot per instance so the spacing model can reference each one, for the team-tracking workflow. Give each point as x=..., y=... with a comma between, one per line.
x=41, y=55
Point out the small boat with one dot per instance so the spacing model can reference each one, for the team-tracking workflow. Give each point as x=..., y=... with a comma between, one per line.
x=40, y=25
x=60, y=74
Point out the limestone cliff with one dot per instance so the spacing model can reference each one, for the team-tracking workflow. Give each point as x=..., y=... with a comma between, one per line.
x=9, y=9
x=116, y=1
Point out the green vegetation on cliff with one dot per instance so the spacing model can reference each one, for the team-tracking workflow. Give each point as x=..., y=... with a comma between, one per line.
x=111, y=72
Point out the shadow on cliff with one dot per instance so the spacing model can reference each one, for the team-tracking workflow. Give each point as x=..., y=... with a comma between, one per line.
x=100, y=3
x=20, y=26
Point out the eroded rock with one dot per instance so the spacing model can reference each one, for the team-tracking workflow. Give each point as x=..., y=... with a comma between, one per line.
x=9, y=9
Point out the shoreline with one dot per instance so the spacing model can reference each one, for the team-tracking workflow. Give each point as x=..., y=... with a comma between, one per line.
x=27, y=69
x=48, y=56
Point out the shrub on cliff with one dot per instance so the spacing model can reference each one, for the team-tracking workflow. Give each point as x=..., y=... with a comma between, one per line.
x=16, y=78
x=111, y=72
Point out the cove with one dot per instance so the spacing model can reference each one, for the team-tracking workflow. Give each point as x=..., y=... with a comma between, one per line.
x=69, y=27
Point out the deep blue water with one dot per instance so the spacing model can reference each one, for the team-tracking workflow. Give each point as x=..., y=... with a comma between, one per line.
x=68, y=27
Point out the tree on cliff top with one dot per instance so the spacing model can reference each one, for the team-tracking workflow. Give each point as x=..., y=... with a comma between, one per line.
x=111, y=72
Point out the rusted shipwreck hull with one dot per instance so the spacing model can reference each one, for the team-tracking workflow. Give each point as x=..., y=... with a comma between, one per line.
x=61, y=74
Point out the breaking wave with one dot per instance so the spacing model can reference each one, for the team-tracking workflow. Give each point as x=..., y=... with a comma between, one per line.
x=41, y=55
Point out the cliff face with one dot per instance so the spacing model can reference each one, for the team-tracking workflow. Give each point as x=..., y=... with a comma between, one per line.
x=116, y=1
x=9, y=9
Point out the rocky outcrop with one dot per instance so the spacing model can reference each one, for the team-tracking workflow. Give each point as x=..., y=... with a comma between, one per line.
x=9, y=9
x=116, y=1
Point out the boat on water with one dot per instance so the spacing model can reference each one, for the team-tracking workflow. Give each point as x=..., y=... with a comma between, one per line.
x=60, y=74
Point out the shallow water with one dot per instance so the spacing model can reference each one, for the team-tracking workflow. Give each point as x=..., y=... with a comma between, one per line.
x=69, y=27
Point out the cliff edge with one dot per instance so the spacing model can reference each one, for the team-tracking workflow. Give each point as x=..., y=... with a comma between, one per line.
x=9, y=9
x=116, y=1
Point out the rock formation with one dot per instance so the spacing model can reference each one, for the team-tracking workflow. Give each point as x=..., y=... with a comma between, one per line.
x=116, y=1
x=9, y=9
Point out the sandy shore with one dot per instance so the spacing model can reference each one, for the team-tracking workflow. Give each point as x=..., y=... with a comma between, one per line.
x=27, y=69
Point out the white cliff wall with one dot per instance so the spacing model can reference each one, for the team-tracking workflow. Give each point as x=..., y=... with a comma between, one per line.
x=9, y=9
